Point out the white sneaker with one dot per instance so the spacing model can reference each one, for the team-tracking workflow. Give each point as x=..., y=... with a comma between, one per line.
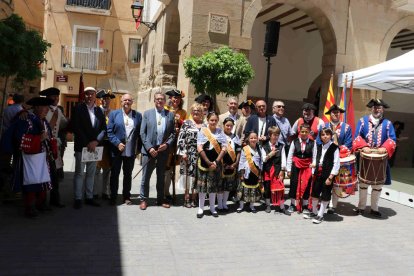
x=309, y=216
x=317, y=220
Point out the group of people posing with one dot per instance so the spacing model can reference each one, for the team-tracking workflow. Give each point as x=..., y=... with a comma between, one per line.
x=245, y=157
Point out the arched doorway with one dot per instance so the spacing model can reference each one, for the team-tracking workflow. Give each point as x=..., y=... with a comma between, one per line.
x=401, y=108
x=306, y=52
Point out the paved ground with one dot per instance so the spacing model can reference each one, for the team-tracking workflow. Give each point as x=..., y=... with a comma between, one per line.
x=124, y=240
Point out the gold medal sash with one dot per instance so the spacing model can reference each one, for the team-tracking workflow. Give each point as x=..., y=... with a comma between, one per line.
x=211, y=139
x=250, y=161
x=231, y=151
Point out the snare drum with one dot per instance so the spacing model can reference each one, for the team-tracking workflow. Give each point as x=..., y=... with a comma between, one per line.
x=373, y=168
x=345, y=181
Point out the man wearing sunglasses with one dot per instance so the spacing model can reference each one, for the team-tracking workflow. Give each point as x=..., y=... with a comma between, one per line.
x=282, y=123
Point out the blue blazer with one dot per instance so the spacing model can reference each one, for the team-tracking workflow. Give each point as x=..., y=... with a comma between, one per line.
x=149, y=130
x=117, y=132
x=252, y=124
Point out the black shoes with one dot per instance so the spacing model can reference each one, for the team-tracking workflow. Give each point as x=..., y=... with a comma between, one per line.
x=359, y=211
x=92, y=202
x=77, y=204
x=331, y=211
x=375, y=214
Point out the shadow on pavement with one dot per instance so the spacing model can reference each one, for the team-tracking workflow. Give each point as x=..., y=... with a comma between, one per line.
x=61, y=241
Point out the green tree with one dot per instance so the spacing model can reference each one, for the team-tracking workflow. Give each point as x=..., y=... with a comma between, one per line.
x=22, y=52
x=219, y=71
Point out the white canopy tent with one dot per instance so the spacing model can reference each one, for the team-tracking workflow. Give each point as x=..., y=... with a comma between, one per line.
x=395, y=75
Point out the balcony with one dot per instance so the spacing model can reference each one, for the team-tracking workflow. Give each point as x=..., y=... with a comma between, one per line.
x=99, y=7
x=90, y=60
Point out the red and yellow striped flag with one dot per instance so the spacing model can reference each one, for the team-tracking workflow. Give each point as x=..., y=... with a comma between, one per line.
x=330, y=100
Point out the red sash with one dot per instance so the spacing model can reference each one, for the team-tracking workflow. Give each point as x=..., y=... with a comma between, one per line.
x=305, y=174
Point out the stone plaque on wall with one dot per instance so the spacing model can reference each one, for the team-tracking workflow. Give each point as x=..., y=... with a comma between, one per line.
x=218, y=23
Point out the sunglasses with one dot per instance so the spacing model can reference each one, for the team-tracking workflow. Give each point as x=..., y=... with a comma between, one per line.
x=279, y=106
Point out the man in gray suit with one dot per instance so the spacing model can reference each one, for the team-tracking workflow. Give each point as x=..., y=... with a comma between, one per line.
x=157, y=134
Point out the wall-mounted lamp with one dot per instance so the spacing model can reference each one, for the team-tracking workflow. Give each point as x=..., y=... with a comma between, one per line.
x=137, y=8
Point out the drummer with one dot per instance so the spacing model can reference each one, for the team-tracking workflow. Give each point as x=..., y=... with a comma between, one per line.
x=342, y=137
x=374, y=134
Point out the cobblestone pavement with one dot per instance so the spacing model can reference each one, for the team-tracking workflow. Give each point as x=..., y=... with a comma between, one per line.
x=124, y=240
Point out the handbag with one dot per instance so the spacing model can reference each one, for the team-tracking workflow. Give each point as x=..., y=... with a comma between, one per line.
x=35, y=168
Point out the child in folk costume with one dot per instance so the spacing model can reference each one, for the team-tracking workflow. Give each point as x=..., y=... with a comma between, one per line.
x=211, y=147
x=327, y=166
x=250, y=168
x=299, y=163
x=274, y=172
x=230, y=162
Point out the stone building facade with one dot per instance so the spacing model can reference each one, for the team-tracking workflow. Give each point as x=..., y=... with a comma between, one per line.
x=97, y=38
x=317, y=38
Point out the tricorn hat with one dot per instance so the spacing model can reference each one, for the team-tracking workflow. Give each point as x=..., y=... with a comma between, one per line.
x=203, y=97
x=175, y=93
x=51, y=91
x=104, y=94
x=333, y=108
x=247, y=103
x=307, y=106
x=39, y=101
x=377, y=102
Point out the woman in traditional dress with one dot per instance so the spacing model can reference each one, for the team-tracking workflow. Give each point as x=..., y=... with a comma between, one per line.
x=187, y=149
x=250, y=169
x=211, y=147
x=230, y=162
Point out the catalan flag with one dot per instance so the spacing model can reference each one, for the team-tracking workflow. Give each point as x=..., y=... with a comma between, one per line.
x=330, y=100
x=350, y=117
x=342, y=103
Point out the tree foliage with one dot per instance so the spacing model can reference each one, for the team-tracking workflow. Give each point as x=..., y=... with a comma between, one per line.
x=22, y=50
x=219, y=71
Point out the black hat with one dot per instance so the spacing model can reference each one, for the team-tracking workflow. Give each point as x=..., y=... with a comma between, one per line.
x=103, y=94
x=247, y=103
x=175, y=93
x=203, y=97
x=308, y=106
x=39, y=101
x=377, y=102
x=51, y=91
x=333, y=108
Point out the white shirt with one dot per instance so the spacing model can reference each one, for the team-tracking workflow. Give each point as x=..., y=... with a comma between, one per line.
x=262, y=126
x=292, y=149
x=283, y=155
x=129, y=126
x=92, y=116
x=337, y=163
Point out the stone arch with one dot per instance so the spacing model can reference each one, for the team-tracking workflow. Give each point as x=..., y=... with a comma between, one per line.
x=404, y=23
x=326, y=31
x=315, y=13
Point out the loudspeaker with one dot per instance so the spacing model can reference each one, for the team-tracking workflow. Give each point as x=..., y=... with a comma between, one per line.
x=271, y=39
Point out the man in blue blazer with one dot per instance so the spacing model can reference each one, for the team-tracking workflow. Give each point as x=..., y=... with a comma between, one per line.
x=124, y=125
x=260, y=122
x=157, y=135
x=89, y=127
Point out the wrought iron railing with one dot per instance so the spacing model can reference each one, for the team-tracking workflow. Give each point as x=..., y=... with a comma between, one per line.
x=94, y=59
x=96, y=4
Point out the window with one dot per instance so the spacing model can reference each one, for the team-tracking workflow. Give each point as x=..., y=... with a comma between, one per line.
x=134, y=50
